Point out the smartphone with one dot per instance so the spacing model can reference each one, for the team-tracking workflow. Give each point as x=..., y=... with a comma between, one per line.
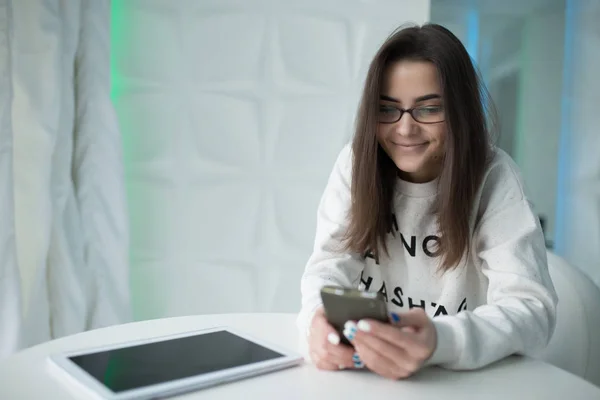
x=344, y=304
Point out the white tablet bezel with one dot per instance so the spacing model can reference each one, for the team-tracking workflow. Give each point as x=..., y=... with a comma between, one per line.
x=86, y=381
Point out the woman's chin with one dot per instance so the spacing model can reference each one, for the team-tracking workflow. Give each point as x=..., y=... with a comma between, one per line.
x=417, y=171
x=408, y=167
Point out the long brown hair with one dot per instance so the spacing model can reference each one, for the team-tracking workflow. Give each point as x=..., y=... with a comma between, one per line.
x=467, y=145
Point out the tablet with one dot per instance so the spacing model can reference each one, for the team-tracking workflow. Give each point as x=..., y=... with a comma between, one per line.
x=165, y=366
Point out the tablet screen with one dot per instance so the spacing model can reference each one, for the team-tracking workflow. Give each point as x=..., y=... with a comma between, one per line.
x=153, y=363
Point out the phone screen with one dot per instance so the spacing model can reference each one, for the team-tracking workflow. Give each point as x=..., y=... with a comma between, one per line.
x=342, y=305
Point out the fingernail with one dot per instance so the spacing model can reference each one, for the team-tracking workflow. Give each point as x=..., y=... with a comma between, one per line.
x=350, y=329
x=341, y=367
x=333, y=338
x=364, y=326
x=357, y=362
x=395, y=318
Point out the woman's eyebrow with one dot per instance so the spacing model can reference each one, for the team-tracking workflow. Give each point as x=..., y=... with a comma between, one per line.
x=428, y=97
x=388, y=98
x=417, y=100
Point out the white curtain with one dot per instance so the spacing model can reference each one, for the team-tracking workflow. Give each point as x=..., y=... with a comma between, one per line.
x=64, y=249
x=10, y=301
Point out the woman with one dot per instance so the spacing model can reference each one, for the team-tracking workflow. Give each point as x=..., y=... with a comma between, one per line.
x=423, y=209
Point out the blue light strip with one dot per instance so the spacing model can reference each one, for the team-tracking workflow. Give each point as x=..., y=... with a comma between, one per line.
x=564, y=156
x=473, y=34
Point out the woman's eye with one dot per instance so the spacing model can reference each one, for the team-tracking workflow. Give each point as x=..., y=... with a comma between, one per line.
x=386, y=110
x=431, y=110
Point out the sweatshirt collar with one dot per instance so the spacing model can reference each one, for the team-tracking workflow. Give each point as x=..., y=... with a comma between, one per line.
x=426, y=189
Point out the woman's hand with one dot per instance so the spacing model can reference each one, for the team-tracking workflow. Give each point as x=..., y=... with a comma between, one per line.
x=396, y=350
x=324, y=345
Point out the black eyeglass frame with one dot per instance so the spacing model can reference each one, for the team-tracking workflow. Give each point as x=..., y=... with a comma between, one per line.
x=410, y=111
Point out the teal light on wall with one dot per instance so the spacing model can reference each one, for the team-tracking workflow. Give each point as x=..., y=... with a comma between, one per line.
x=564, y=161
x=117, y=27
x=118, y=35
x=118, y=44
x=121, y=26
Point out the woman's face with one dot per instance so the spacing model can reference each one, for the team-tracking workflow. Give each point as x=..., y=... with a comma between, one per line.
x=416, y=148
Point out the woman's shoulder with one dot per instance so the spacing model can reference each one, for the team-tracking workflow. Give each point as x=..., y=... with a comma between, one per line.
x=344, y=157
x=502, y=184
x=343, y=163
x=502, y=165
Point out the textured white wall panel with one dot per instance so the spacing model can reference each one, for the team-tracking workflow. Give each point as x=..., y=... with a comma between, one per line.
x=232, y=114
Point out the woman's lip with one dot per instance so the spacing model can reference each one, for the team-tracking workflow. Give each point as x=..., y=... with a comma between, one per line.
x=409, y=145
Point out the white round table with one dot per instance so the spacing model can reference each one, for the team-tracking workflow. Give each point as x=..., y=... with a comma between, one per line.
x=25, y=375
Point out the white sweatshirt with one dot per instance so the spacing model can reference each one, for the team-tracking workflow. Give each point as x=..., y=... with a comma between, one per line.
x=501, y=301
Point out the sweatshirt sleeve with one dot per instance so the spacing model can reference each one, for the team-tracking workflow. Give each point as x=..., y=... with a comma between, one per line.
x=329, y=264
x=520, y=313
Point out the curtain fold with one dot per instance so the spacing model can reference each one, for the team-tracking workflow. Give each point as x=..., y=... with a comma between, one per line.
x=10, y=288
x=70, y=218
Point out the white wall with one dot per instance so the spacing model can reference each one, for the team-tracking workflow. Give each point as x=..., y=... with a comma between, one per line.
x=578, y=206
x=539, y=109
x=504, y=76
x=232, y=113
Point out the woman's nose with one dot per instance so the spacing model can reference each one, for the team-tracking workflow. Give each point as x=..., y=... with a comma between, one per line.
x=406, y=125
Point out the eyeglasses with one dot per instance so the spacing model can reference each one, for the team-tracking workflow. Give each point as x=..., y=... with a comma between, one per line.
x=423, y=114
